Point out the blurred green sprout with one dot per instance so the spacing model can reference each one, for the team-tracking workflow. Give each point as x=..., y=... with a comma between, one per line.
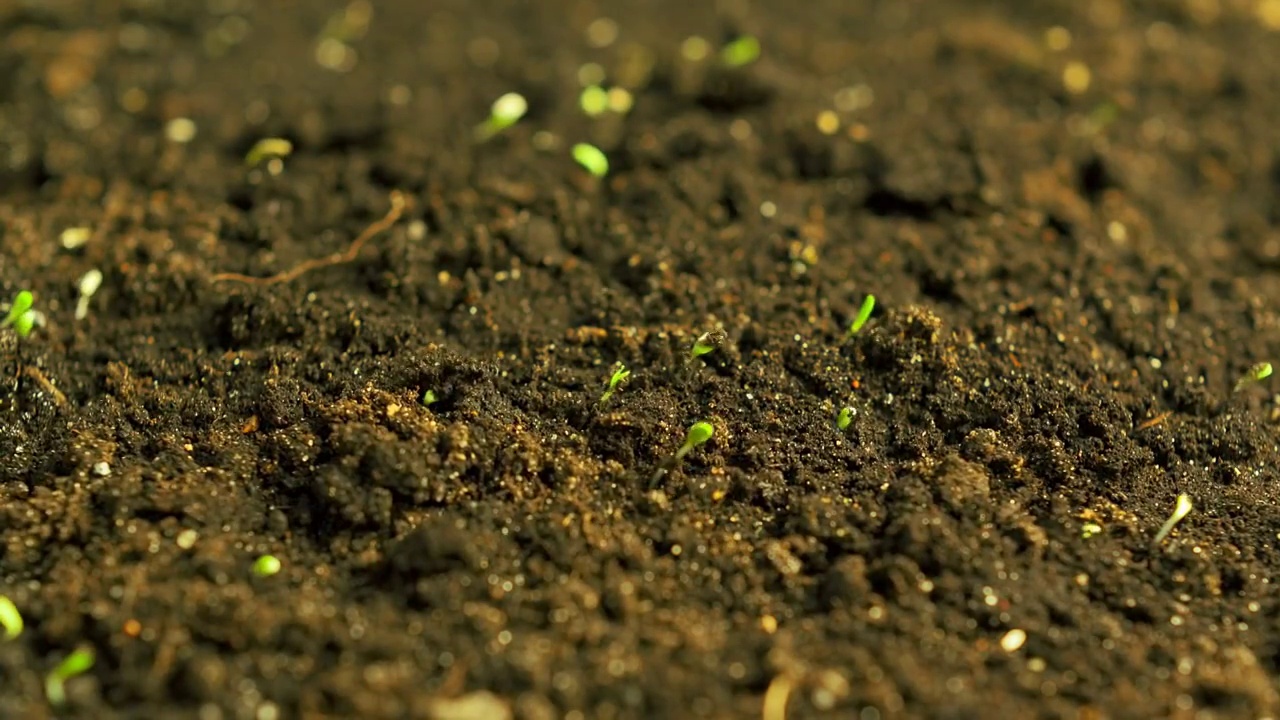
x=1256, y=374
x=78, y=662
x=429, y=398
x=592, y=158
x=845, y=418
x=10, y=618
x=266, y=566
x=594, y=100
x=741, y=52
x=505, y=112
x=273, y=147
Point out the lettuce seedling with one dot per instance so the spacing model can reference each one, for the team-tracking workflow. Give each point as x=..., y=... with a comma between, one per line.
x=78, y=662
x=620, y=373
x=864, y=314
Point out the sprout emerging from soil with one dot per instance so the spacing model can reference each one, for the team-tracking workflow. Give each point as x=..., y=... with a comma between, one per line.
x=506, y=111
x=741, y=52
x=591, y=158
x=21, y=317
x=77, y=663
x=706, y=342
x=864, y=314
x=10, y=618
x=265, y=148
x=429, y=398
x=88, y=285
x=845, y=418
x=699, y=433
x=1256, y=374
x=594, y=100
x=620, y=373
x=1180, y=511
x=266, y=566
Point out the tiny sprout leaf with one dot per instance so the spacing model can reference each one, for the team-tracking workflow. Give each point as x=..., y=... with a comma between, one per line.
x=10, y=618
x=77, y=663
x=267, y=148
x=594, y=100
x=266, y=566
x=845, y=418
x=620, y=374
x=591, y=158
x=505, y=112
x=699, y=433
x=22, y=303
x=1180, y=510
x=706, y=343
x=1259, y=372
x=741, y=52
x=864, y=314
x=429, y=398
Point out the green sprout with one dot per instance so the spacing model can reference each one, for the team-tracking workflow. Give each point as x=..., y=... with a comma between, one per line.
x=594, y=100
x=706, y=342
x=429, y=398
x=21, y=316
x=699, y=433
x=273, y=147
x=741, y=52
x=1090, y=529
x=10, y=618
x=266, y=566
x=620, y=373
x=1256, y=374
x=845, y=418
x=1180, y=510
x=591, y=158
x=77, y=663
x=506, y=111
x=864, y=314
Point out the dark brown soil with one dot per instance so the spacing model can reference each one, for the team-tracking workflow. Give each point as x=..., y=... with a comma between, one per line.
x=1072, y=273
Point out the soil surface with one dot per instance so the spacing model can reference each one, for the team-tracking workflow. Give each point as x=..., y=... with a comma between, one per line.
x=1067, y=211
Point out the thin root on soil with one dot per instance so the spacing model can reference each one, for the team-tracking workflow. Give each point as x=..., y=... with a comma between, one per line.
x=346, y=256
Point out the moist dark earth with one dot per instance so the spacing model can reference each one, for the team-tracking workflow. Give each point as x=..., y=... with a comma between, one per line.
x=1066, y=211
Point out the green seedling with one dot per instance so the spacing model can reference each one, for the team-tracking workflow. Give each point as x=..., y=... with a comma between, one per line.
x=266, y=148
x=620, y=373
x=845, y=418
x=594, y=100
x=21, y=317
x=266, y=566
x=1180, y=511
x=741, y=52
x=1256, y=374
x=591, y=158
x=1090, y=529
x=77, y=663
x=10, y=618
x=864, y=314
x=699, y=433
x=429, y=398
x=706, y=342
x=506, y=111
x=87, y=286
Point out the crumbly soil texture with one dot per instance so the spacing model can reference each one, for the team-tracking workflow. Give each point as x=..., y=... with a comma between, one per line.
x=1066, y=211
